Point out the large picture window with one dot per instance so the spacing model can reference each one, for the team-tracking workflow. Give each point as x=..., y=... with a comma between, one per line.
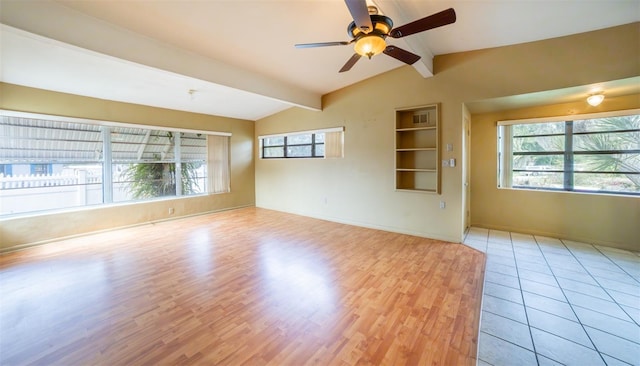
x=145, y=163
x=596, y=153
x=54, y=163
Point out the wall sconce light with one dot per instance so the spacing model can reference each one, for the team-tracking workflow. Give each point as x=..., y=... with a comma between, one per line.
x=595, y=99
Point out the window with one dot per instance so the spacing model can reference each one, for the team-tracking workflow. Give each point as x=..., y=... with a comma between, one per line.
x=145, y=163
x=595, y=153
x=50, y=163
x=41, y=169
x=5, y=170
x=307, y=144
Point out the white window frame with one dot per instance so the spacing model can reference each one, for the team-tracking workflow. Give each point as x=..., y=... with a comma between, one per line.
x=505, y=154
x=108, y=176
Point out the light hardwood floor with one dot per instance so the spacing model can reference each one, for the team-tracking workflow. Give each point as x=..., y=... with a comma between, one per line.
x=248, y=286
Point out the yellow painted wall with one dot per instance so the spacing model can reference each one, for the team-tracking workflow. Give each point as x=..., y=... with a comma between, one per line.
x=20, y=231
x=604, y=219
x=359, y=188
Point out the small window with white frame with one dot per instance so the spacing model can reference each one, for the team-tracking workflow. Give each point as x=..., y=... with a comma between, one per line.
x=325, y=143
x=596, y=153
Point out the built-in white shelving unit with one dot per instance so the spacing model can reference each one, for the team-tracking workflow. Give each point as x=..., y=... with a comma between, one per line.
x=417, y=153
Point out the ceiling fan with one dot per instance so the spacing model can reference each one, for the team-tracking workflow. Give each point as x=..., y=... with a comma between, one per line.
x=369, y=30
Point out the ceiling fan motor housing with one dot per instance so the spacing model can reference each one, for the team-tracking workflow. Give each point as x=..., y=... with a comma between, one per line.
x=381, y=27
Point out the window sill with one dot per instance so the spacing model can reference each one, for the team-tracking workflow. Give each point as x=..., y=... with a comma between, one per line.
x=69, y=210
x=580, y=192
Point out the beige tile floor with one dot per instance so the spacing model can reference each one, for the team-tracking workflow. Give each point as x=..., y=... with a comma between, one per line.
x=557, y=302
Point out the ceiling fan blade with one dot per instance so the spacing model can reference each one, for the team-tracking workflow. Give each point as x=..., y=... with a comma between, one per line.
x=321, y=44
x=360, y=14
x=352, y=61
x=402, y=55
x=432, y=21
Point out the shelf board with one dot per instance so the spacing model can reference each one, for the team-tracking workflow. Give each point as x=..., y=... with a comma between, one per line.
x=416, y=170
x=416, y=190
x=417, y=149
x=415, y=129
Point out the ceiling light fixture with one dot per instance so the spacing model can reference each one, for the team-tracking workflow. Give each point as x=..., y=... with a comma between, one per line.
x=595, y=99
x=371, y=43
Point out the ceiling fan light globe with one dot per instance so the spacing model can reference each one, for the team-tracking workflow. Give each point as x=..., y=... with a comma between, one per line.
x=370, y=45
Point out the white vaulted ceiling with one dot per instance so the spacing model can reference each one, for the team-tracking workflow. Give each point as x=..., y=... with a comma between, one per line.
x=239, y=57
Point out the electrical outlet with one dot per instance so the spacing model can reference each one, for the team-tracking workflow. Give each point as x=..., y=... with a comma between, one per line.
x=449, y=147
x=442, y=204
x=445, y=163
x=171, y=211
